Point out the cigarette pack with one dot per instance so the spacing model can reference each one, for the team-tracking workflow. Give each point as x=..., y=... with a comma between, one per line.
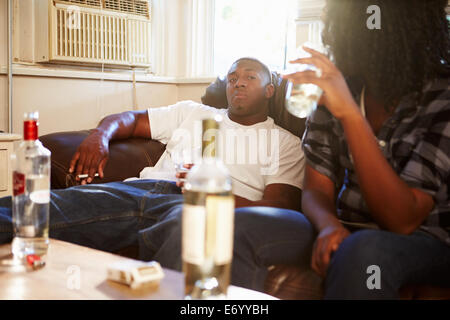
x=135, y=273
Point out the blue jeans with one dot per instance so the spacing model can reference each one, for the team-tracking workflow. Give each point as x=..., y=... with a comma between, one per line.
x=263, y=237
x=415, y=259
x=147, y=213
x=268, y=236
x=108, y=216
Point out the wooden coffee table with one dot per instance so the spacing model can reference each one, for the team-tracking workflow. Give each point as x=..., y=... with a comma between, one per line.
x=76, y=272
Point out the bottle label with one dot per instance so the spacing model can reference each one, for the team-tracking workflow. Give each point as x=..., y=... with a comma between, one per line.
x=18, y=183
x=221, y=234
x=193, y=233
x=207, y=231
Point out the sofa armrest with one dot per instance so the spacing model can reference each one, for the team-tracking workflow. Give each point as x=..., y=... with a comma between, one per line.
x=126, y=157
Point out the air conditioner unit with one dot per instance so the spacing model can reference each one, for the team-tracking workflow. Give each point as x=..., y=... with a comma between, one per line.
x=115, y=32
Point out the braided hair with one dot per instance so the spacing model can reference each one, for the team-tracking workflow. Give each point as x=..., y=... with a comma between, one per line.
x=410, y=49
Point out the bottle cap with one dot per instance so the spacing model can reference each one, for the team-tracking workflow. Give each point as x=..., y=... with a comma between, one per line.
x=30, y=125
x=35, y=262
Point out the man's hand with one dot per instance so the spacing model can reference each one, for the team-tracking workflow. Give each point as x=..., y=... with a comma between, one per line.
x=326, y=243
x=90, y=157
x=181, y=176
x=93, y=152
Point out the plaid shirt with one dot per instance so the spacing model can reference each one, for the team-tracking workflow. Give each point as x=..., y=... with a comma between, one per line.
x=415, y=140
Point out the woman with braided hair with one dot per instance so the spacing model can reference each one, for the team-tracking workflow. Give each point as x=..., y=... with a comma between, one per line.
x=376, y=188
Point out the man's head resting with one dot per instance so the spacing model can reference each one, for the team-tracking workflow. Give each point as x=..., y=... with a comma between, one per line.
x=249, y=88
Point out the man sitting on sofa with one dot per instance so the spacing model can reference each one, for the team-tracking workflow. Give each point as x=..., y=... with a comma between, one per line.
x=115, y=215
x=248, y=91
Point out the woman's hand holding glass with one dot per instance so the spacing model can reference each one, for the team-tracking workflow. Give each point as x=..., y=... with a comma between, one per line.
x=336, y=94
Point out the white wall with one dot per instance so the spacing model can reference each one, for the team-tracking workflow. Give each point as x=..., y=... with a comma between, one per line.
x=75, y=104
x=309, y=26
x=68, y=104
x=3, y=62
x=3, y=33
x=3, y=103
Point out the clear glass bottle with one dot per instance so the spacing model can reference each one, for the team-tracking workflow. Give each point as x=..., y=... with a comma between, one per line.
x=208, y=222
x=31, y=192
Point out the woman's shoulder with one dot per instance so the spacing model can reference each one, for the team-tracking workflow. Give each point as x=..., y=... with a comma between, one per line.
x=437, y=91
x=435, y=103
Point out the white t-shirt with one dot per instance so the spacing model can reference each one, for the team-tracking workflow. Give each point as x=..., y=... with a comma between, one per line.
x=255, y=155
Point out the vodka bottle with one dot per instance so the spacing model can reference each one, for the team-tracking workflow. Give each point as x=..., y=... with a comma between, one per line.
x=208, y=222
x=31, y=192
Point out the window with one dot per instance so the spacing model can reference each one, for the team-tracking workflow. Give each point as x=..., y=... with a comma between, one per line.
x=256, y=28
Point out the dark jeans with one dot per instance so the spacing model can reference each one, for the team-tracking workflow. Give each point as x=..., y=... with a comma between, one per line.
x=418, y=258
x=113, y=216
x=147, y=213
x=263, y=237
x=108, y=216
x=268, y=236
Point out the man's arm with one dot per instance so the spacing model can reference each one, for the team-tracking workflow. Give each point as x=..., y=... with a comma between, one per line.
x=275, y=195
x=92, y=154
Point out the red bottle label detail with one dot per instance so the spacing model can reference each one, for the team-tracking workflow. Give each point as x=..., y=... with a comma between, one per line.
x=30, y=131
x=18, y=183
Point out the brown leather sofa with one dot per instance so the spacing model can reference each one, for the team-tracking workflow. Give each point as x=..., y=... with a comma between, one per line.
x=129, y=157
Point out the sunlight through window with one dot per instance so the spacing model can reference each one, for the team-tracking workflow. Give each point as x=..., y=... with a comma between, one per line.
x=253, y=28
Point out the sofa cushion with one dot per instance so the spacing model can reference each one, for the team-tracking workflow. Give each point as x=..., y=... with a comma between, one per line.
x=126, y=157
